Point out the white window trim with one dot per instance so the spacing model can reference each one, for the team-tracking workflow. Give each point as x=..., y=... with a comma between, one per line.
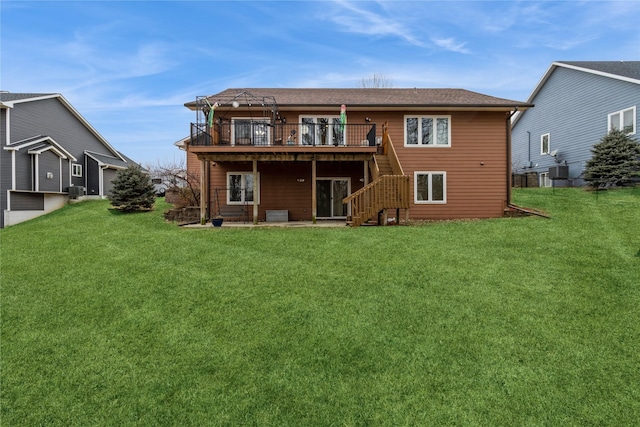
x=548, y=135
x=74, y=170
x=430, y=202
x=621, y=113
x=242, y=202
x=315, y=118
x=420, y=144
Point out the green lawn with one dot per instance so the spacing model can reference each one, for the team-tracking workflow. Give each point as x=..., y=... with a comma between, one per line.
x=124, y=320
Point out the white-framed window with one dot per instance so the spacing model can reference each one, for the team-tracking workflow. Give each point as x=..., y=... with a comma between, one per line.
x=624, y=120
x=427, y=131
x=250, y=131
x=325, y=130
x=545, y=143
x=430, y=187
x=240, y=188
x=76, y=169
x=544, y=179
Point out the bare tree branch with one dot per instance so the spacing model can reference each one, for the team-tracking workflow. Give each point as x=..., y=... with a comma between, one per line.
x=376, y=81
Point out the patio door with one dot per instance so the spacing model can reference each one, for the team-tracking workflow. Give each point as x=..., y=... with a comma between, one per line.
x=329, y=194
x=322, y=131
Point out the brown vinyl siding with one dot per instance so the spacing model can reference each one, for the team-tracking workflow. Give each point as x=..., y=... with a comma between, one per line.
x=279, y=188
x=473, y=190
x=475, y=166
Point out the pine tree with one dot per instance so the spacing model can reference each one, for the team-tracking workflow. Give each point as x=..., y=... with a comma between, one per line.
x=132, y=190
x=615, y=161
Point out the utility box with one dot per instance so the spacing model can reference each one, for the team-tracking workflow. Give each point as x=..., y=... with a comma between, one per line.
x=559, y=172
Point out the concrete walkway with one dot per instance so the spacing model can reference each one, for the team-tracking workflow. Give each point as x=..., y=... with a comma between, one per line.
x=240, y=224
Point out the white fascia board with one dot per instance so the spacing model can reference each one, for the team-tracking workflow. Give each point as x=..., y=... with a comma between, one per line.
x=10, y=104
x=598, y=73
x=59, y=149
x=47, y=148
x=90, y=127
x=100, y=162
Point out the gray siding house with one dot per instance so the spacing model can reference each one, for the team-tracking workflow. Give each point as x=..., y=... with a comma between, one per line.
x=576, y=104
x=49, y=154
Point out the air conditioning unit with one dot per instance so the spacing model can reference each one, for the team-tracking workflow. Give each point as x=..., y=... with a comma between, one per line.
x=559, y=172
x=76, y=191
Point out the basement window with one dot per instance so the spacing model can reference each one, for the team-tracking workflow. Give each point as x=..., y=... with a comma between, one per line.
x=430, y=187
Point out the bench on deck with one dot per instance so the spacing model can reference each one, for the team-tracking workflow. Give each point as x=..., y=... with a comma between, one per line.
x=235, y=213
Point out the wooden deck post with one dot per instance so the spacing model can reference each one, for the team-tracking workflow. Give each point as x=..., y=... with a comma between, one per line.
x=204, y=191
x=366, y=172
x=255, y=192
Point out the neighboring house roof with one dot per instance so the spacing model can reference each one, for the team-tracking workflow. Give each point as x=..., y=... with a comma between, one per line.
x=628, y=71
x=182, y=144
x=9, y=100
x=614, y=69
x=128, y=159
x=365, y=98
x=107, y=161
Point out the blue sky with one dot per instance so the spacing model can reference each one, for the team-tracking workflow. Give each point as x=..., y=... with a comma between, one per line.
x=129, y=66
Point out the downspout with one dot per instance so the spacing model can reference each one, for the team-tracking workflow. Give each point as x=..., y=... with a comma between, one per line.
x=509, y=204
x=508, y=124
x=529, y=150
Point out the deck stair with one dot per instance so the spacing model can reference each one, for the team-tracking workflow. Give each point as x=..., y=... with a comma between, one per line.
x=384, y=165
x=390, y=188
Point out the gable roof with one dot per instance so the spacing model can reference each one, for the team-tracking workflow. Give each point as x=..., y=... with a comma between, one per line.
x=628, y=71
x=42, y=141
x=622, y=70
x=366, y=98
x=9, y=100
x=107, y=161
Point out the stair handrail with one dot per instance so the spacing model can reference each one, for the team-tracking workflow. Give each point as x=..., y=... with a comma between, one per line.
x=386, y=192
x=374, y=169
x=390, y=152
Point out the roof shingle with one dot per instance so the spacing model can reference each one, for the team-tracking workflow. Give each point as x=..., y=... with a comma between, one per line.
x=360, y=97
x=630, y=69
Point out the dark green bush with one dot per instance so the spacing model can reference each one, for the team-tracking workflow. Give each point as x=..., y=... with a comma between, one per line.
x=132, y=190
x=615, y=161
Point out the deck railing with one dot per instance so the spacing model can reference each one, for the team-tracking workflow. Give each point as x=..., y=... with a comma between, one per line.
x=386, y=192
x=258, y=133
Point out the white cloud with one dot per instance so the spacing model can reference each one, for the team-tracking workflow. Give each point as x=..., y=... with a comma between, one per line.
x=451, y=44
x=353, y=19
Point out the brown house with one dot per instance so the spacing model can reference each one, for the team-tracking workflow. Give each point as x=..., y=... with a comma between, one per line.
x=352, y=154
